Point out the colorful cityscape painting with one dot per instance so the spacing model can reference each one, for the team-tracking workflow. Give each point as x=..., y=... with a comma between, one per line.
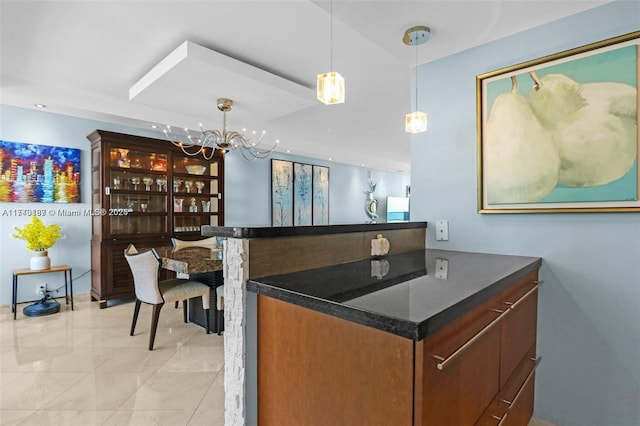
x=39, y=173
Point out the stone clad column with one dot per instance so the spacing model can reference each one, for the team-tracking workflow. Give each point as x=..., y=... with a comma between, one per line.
x=236, y=273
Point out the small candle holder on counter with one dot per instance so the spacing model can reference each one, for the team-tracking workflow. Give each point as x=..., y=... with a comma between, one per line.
x=379, y=246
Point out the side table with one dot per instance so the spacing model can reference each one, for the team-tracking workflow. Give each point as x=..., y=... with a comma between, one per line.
x=68, y=283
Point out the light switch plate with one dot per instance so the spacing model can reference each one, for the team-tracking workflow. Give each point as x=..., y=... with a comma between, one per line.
x=442, y=230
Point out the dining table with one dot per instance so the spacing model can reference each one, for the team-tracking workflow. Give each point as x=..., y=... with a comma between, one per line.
x=191, y=261
x=198, y=264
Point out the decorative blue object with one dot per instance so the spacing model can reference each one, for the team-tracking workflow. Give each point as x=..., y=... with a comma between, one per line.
x=45, y=306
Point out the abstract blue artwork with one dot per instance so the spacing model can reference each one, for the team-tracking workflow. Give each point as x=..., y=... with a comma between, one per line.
x=320, y=195
x=281, y=193
x=302, y=194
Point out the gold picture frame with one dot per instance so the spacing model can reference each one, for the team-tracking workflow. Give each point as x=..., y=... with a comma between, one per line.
x=560, y=133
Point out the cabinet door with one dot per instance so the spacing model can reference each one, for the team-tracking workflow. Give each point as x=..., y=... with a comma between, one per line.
x=135, y=193
x=519, y=327
x=458, y=393
x=318, y=370
x=197, y=194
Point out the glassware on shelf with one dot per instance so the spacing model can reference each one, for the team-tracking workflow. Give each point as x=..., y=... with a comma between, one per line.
x=188, y=184
x=143, y=207
x=148, y=181
x=193, y=208
x=199, y=185
x=206, y=206
x=177, y=204
x=135, y=181
x=116, y=182
x=161, y=182
x=123, y=160
x=177, y=183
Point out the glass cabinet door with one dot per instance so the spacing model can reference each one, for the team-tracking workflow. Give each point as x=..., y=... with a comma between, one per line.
x=137, y=193
x=195, y=194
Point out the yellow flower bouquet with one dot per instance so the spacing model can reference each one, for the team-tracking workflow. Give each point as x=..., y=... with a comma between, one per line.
x=39, y=237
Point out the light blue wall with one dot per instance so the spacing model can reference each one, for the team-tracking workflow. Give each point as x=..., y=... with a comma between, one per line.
x=247, y=190
x=589, y=306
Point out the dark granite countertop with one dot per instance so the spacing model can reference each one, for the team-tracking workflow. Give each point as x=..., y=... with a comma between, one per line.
x=290, y=231
x=405, y=294
x=190, y=260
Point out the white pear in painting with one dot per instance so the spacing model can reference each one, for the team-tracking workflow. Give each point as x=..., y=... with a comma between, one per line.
x=522, y=161
x=593, y=125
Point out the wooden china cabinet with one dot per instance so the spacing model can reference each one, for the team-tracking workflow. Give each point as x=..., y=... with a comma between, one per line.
x=145, y=191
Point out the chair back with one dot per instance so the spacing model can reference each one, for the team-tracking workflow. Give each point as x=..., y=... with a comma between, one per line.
x=144, y=267
x=210, y=243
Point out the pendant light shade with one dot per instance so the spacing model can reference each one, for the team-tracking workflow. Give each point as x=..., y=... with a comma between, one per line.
x=416, y=122
x=330, y=85
x=330, y=88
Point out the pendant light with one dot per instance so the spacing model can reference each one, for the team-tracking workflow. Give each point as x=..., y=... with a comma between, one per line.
x=416, y=122
x=330, y=85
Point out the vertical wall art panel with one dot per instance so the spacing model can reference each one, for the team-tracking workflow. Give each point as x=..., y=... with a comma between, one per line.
x=302, y=194
x=39, y=173
x=320, y=195
x=281, y=193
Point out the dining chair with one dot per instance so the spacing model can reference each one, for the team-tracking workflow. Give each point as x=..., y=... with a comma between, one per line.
x=211, y=242
x=145, y=266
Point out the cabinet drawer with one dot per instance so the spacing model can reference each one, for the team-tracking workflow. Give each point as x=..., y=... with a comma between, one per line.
x=513, y=406
x=458, y=390
x=518, y=329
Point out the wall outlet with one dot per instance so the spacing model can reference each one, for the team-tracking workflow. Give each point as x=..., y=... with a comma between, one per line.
x=41, y=290
x=442, y=230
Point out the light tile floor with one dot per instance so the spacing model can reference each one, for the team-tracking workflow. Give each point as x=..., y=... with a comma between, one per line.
x=83, y=368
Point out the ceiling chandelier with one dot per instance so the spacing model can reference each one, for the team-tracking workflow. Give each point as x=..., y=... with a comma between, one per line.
x=227, y=140
x=416, y=122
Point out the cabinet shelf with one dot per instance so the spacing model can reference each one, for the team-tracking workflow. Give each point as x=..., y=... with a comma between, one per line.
x=192, y=194
x=137, y=192
x=195, y=213
x=192, y=176
x=138, y=171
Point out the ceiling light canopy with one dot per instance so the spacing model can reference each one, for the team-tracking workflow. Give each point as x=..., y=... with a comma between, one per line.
x=208, y=141
x=416, y=122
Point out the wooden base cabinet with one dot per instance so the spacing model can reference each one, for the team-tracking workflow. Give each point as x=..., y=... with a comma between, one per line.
x=468, y=365
x=315, y=369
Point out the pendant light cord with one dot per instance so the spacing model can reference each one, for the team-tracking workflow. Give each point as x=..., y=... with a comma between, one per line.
x=331, y=35
x=416, y=72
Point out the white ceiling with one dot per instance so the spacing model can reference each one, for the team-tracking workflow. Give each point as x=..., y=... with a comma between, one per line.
x=83, y=58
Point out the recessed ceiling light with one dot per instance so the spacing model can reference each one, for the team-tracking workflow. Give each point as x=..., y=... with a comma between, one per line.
x=154, y=126
x=288, y=151
x=40, y=106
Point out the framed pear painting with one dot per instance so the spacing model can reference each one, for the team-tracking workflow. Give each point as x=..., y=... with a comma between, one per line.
x=560, y=133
